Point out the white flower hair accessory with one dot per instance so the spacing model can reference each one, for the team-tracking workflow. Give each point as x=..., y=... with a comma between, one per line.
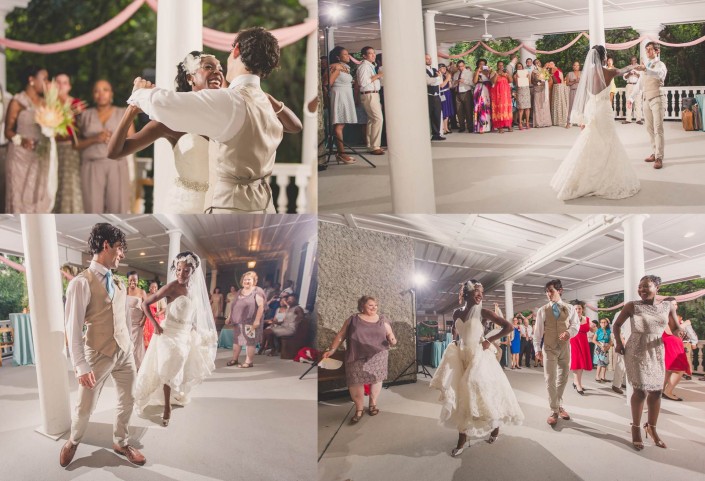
x=192, y=62
x=189, y=259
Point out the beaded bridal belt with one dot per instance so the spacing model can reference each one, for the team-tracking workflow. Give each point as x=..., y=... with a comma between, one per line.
x=191, y=184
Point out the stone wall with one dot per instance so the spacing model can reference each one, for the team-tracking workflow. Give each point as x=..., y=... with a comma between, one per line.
x=357, y=262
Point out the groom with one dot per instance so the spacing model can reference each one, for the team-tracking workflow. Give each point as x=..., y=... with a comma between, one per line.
x=649, y=85
x=556, y=323
x=240, y=118
x=99, y=341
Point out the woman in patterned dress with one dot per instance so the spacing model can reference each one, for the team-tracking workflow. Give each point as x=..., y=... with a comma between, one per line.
x=501, y=100
x=69, y=197
x=523, y=95
x=342, y=102
x=644, y=354
x=246, y=315
x=368, y=336
x=483, y=105
x=540, y=81
x=447, y=100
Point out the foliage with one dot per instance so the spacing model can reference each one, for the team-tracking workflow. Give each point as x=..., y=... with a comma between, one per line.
x=130, y=50
x=13, y=289
x=141, y=282
x=501, y=45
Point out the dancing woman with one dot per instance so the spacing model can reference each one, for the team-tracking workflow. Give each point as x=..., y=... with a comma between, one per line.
x=184, y=352
x=644, y=354
x=476, y=395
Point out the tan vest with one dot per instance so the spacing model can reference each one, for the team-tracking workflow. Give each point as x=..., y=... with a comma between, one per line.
x=552, y=327
x=106, y=320
x=652, y=87
x=245, y=162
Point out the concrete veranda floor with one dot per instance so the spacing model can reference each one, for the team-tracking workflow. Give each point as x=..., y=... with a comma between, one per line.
x=256, y=424
x=511, y=172
x=405, y=441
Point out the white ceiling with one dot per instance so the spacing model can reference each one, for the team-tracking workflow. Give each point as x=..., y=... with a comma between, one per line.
x=224, y=240
x=585, y=251
x=462, y=20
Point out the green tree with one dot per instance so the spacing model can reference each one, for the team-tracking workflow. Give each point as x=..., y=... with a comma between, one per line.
x=13, y=289
x=501, y=45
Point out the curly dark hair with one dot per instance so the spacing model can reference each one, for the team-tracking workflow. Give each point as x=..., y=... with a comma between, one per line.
x=102, y=232
x=601, y=52
x=655, y=46
x=651, y=278
x=259, y=50
x=555, y=283
x=477, y=65
x=334, y=55
x=27, y=72
x=182, y=74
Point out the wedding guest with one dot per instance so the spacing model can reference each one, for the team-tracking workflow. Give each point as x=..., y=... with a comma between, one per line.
x=158, y=310
x=26, y=172
x=675, y=358
x=245, y=316
x=268, y=339
x=229, y=298
x=433, y=89
x=481, y=97
x=447, y=101
x=512, y=67
x=644, y=355
x=369, y=84
x=516, y=344
x=530, y=69
x=69, y=198
x=560, y=97
x=217, y=303
x=580, y=359
x=572, y=80
x=368, y=335
x=613, y=86
x=690, y=342
x=286, y=325
x=341, y=98
x=634, y=108
x=463, y=84
x=541, y=111
x=501, y=99
x=527, y=347
x=591, y=340
x=523, y=90
x=105, y=183
x=135, y=297
x=603, y=342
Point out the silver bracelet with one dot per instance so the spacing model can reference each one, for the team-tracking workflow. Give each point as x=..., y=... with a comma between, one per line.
x=280, y=110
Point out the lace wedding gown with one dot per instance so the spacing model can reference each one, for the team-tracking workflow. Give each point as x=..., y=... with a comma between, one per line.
x=598, y=163
x=178, y=357
x=475, y=392
x=191, y=158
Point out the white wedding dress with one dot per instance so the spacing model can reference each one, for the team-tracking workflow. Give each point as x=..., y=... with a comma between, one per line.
x=597, y=164
x=179, y=357
x=188, y=193
x=475, y=392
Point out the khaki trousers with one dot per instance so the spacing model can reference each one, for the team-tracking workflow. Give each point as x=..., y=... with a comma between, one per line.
x=375, y=119
x=618, y=378
x=653, y=117
x=556, y=366
x=636, y=108
x=121, y=367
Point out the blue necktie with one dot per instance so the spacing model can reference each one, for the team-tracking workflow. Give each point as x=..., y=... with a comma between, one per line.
x=556, y=310
x=109, y=286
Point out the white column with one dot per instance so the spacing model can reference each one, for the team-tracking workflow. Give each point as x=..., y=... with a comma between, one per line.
x=406, y=105
x=330, y=34
x=592, y=314
x=651, y=30
x=597, y=23
x=174, y=250
x=305, y=286
x=3, y=60
x=429, y=24
x=179, y=31
x=633, y=254
x=214, y=279
x=309, y=141
x=46, y=307
x=508, y=300
x=528, y=42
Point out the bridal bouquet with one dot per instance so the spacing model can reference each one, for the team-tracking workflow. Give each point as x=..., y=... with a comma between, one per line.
x=544, y=74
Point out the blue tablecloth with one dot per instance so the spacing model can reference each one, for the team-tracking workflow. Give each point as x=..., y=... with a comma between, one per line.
x=225, y=340
x=701, y=104
x=436, y=353
x=23, y=347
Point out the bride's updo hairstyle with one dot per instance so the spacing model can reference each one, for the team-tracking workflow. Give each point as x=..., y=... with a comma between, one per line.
x=469, y=287
x=188, y=257
x=601, y=52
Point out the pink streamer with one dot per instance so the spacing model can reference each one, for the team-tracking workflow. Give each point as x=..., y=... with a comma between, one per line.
x=21, y=268
x=682, y=298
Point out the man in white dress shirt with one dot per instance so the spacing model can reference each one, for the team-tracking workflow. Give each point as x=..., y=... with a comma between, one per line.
x=556, y=323
x=240, y=119
x=433, y=87
x=462, y=81
x=99, y=341
x=369, y=83
x=649, y=86
x=632, y=78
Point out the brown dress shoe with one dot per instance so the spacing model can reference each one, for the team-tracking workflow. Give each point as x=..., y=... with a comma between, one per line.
x=617, y=390
x=67, y=452
x=651, y=158
x=563, y=414
x=132, y=455
x=377, y=152
x=552, y=419
x=658, y=164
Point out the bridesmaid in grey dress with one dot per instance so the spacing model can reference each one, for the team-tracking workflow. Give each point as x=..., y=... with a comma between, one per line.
x=542, y=112
x=644, y=354
x=105, y=182
x=572, y=80
x=342, y=101
x=135, y=296
x=27, y=173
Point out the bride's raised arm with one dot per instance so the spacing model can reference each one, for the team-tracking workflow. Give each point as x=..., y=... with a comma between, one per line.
x=126, y=141
x=165, y=292
x=290, y=122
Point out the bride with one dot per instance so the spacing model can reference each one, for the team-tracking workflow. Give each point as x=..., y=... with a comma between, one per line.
x=477, y=397
x=597, y=164
x=183, y=353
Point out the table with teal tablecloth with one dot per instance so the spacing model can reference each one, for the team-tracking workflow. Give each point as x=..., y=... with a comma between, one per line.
x=225, y=340
x=436, y=353
x=700, y=99
x=23, y=347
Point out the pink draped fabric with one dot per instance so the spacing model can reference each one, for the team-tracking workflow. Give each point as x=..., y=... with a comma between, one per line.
x=21, y=268
x=212, y=38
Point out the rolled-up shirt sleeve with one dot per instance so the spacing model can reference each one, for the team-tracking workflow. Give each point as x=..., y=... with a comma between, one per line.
x=78, y=295
x=199, y=112
x=538, y=330
x=573, y=322
x=364, y=75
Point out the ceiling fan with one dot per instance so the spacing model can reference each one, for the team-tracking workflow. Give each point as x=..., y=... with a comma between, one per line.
x=486, y=36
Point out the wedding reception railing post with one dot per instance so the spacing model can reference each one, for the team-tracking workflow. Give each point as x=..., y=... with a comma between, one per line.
x=699, y=358
x=283, y=175
x=673, y=95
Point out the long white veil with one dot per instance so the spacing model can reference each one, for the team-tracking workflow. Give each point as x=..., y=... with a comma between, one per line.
x=202, y=313
x=592, y=82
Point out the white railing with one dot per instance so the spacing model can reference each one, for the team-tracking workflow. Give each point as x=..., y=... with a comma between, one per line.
x=672, y=95
x=283, y=175
x=6, y=351
x=699, y=358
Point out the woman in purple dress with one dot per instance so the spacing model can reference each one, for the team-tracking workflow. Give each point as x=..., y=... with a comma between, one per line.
x=447, y=101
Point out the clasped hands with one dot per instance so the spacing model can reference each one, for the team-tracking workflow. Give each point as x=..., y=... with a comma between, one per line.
x=140, y=83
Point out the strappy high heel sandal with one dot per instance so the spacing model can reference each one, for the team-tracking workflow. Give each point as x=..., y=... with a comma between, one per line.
x=165, y=419
x=345, y=159
x=651, y=428
x=638, y=444
x=373, y=410
x=493, y=435
x=462, y=441
x=358, y=415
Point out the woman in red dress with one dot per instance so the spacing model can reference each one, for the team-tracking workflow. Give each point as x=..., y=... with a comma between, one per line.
x=501, y=100
x=158, y=309
x=676, y=362
x=580, y=359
